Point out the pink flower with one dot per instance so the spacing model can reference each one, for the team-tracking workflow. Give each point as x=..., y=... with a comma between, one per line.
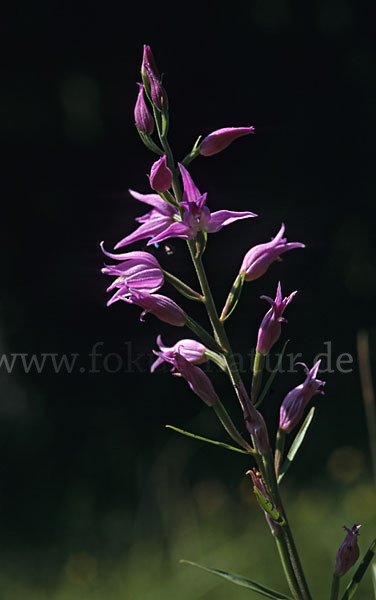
x=270, y=328
x=160, y=306
x=191, y=350
x=197, y=217
x=153, y=222
x=197, y=380
x=259, y=258
x=160, y=176
x=221, y=138
x=137, y=271
x=293, y=406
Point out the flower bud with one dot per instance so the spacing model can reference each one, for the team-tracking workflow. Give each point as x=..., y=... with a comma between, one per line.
x=293, y=406
x=348, y=553
x=148, y=63
x=143, y=119
x=160, y=176
x=157, y=91
x=221, y=138
x=270, y=328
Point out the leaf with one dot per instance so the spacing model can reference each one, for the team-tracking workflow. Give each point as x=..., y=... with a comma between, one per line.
x=296, y=444
x=240, y=580
x=354, y=583
x=233, y=297
x=272, y=375
x=268, y=507
x=202, y=439
x=182, y=287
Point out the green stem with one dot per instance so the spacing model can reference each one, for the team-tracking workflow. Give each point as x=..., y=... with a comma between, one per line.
x=289, y=543
x=286, y=563
x=335, y=588
x=170, y=158
x=279, y=449
x=258, y=367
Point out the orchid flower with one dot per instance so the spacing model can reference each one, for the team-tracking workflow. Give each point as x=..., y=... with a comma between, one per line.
x=197, y=216
x=137, y=271
x=297, y=399
x=259, y=258
x=270, y=328
x=191, y=350
x=152, y=223
x=197, y=380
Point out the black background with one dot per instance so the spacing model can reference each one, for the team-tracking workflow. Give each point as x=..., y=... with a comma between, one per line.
x=303, y=75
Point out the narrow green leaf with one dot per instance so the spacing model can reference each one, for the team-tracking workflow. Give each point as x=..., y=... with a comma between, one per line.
x=296, y=444
x=268, y=507
x=203, y=439
x=354, y=583
x=233, y=297
x=240, y=580
x=272, y=375
x=204, y=335
x=182, y=287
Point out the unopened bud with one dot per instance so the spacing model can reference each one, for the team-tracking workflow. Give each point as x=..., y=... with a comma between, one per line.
x=160, y=176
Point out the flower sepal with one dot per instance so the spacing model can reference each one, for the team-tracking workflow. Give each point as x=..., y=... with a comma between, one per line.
x=194, y=153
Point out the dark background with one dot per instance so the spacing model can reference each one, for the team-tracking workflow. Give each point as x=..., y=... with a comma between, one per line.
x=77, y=446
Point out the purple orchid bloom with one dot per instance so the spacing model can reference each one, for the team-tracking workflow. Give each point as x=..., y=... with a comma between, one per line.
x=221, y=138
x=270, y=328
x=348, y=553
x=143, y=119
x=293, y=406
x=197, y=217
x=160, y=176
x=197, y=380
x=160, y=306
x=137, y=271
x=259, y=258
x=152, y=223
x=192, y=351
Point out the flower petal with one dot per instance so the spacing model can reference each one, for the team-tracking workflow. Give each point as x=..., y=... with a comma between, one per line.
x=177, y=230
x=221, y=218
